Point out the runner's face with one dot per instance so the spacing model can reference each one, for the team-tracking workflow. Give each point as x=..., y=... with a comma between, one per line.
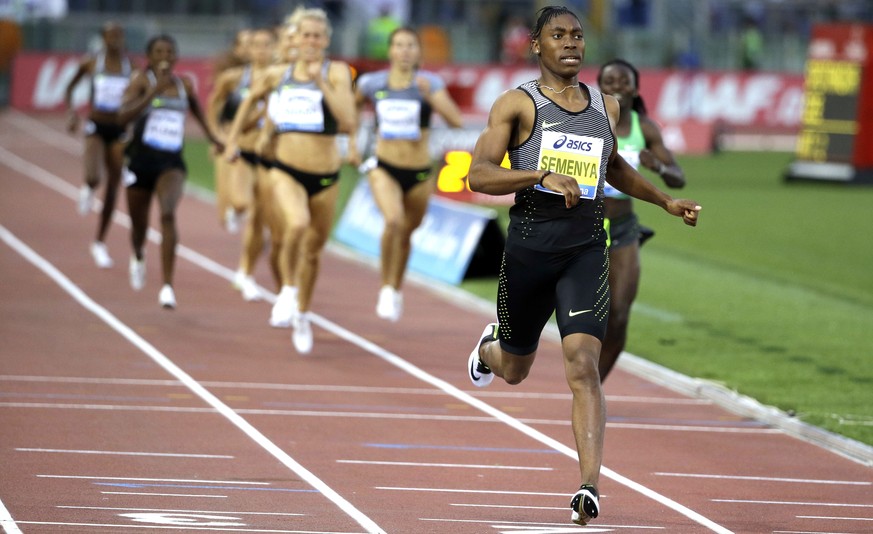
x=113, y=37
x=261, y=47
x=618, y=81
x=312, y=38
x=404, y=50
x=561, y=46
x=162, y=51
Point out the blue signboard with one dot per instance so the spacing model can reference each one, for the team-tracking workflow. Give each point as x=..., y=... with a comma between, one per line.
x=442, y=246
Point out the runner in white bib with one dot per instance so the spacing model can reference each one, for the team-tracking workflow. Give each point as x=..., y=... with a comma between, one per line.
x=110, y=71
x=157, y=101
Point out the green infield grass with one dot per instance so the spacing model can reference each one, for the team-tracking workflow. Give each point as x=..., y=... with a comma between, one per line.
x=771, y=295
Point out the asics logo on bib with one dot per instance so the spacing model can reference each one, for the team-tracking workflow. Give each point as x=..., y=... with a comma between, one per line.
x=572, y=144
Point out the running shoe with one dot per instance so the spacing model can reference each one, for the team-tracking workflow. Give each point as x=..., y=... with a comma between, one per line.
x=390, y=304
x=137, y=273
x=480, y=374
x=585, y=505
x=284, y=308
x=249, y=289
x=302, y=334
x=238, y=278
x=101, y=255
x=86, y=199
x=167, y=298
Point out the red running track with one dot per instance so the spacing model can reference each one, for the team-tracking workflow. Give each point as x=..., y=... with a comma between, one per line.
x=119, y=416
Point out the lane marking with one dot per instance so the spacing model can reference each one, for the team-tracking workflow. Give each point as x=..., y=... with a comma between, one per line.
x=795, y=503
x=7, y=522
x=170, y=510
x=163, y=494
x=768, y=479
x=126, y=453
x=472, y=491
x=474, y=505
x=463, y=466
x=176, y=528
x=212, y=266
x=349, y=389
x=135, y=479
x=835, y=518
x=163, y=361
x=387, y=416
x=542, y=528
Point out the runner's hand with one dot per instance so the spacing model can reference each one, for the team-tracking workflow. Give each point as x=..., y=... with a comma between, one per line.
x=687, y=209
x=567, y=186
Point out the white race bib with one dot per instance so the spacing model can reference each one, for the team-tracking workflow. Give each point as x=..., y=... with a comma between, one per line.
x=298, y=110
x=633, y=159
x=399, y=119
x=108, y=91
x=577, y=156
x=165, y=130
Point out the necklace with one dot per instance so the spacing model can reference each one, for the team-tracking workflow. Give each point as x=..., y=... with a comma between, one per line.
x=556, y=91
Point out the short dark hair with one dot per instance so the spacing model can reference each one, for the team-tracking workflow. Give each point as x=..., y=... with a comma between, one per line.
x=638, y=104
x=545, y=15
x=162, y=37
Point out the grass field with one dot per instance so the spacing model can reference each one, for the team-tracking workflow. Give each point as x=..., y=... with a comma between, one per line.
x=771, y=295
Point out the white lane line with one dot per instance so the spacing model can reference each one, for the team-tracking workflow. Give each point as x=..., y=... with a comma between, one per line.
x=796, y=503
x=163, y=494
x=7, y=522
x=835, y=518
x=384, y=415
x=227, y=274
x=473, y=505
x=348, y=389
x=528, y=527
x=463, y=466
x=126, y=453
x=115, y=527
x=174, y=370
x=769, y=479
x=161, y=480
x=471, y=491
x=171, y=510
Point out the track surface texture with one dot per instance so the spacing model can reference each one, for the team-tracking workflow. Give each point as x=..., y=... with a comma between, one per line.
x=119, y=416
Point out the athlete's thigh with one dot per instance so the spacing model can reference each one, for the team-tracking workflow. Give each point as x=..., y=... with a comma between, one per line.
x=416, y=201
x=322, y=207
x=526, y=298
x=290, y=200
x=169, y=189
x=624, y=274
x=95, y=155
x=583, y=293
x=387, y=194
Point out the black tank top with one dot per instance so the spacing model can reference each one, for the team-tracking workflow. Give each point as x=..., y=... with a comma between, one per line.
x=577, y=144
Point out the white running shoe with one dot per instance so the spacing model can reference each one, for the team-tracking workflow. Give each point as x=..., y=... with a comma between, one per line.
x=86, y=199
x=101, y=255
x=250, y=290
x=137, y=273
x=285, y=307
x=302, y=334
x=167, y=297
x=479, y=373
x=238, y=278
x=390, y=304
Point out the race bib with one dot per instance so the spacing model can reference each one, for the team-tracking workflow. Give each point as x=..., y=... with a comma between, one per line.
x=165, y=130
x=108, y=91
x=298, y=110
x=632, y=157
x=577, y=156
x=399, y=119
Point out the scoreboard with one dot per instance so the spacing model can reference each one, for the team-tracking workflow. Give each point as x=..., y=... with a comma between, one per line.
x=836, y=138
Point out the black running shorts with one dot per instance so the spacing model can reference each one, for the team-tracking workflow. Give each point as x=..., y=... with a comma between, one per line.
x=572, y=284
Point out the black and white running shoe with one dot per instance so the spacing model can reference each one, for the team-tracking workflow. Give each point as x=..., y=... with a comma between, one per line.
x=479, y=373
x=585, y=505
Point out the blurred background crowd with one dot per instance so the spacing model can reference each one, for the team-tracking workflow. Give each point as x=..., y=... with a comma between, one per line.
x=710, y=34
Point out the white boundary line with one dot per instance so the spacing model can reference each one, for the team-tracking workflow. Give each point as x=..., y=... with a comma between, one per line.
x=248, y=429
x=378, y=351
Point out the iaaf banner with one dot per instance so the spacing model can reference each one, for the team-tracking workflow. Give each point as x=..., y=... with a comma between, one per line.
x=761, y=101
